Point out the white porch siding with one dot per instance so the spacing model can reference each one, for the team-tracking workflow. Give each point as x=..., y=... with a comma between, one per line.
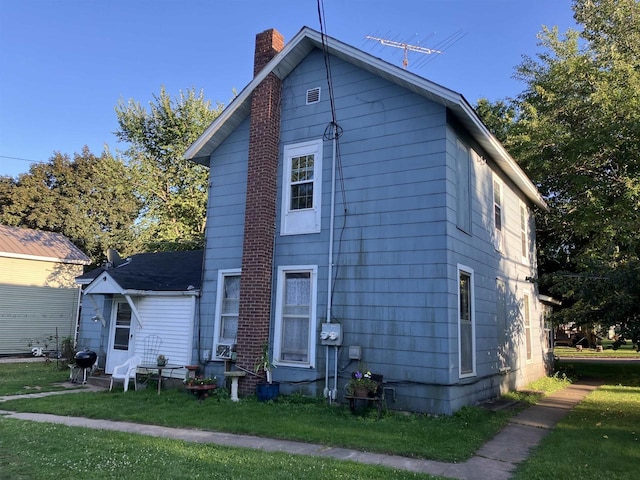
x=171, y=318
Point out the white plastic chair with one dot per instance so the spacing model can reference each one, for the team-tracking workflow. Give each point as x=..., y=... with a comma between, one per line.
x=126, y=372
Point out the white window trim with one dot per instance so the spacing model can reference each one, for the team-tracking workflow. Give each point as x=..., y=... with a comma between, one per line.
x=472, y=303
x=218, y=314
x=527, y=306
x=498, y=235
x=296, y=222
x=524, y=232
x=277, y=329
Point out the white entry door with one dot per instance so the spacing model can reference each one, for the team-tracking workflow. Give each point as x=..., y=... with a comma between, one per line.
x=120, y=335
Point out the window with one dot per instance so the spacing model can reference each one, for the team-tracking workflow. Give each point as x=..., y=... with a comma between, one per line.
x=466, y=320
x=497, y=213
x=301, y=188
x=295, y=325
x=463, y=185
x=524, y=237
x=227, y=312
x=123, y=326
x=527, y=326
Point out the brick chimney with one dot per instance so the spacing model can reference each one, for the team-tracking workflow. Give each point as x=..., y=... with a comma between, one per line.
x=260, y=214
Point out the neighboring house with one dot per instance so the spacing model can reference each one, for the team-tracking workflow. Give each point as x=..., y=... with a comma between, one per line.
x=38, y=296
x=407, y=243
x=146, y=295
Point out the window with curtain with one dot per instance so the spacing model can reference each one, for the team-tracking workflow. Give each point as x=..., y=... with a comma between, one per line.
x=295, y=316
x=227, y=311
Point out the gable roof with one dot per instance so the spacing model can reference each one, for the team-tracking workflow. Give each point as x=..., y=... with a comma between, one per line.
x=31, y=244
x=308, y=39
x=160, y=272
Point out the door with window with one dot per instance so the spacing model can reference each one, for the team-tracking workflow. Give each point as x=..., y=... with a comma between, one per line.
x=121, y=335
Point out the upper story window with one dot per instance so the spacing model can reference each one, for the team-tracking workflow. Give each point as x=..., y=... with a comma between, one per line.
x=498, y=215
x=301, y=183
x=463, y=188
x=524, y=233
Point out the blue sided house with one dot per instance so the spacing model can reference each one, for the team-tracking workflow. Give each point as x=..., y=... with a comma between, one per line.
x=359, y=213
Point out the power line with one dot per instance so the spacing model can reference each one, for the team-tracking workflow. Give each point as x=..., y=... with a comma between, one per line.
x=22, y=159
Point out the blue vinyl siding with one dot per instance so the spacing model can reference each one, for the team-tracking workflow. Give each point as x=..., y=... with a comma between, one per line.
x=396, y=248
x=225, y=222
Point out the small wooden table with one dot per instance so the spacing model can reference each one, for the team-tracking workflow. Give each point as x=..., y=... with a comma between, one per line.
x=159, y=368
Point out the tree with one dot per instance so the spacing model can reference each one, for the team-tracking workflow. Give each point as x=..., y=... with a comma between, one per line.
x=87, y=198
x=173, y=191
x=577, y=134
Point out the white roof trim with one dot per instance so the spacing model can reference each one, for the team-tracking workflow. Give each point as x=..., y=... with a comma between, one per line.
x=298, y=48
x=23, y=256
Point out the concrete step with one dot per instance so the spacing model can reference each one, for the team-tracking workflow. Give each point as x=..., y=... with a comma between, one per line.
x=99, y=380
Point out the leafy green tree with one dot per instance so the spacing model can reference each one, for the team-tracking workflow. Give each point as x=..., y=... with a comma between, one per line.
x=577, y=134
x=498, y=117
x=87, y=198
x=173, y=191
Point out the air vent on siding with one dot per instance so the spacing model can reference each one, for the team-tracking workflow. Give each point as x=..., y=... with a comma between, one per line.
x=313, y=95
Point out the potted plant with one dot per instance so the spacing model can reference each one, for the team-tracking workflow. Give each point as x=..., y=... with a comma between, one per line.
x=162, y=360
x=362, y=383
x=201, y=386
x=268, y=390
x=200, y=381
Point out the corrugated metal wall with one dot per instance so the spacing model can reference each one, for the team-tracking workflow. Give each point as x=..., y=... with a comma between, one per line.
x=19, y=271
x=29, y=314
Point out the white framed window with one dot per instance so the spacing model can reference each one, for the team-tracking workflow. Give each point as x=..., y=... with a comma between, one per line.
x=466, y=323
x=463, y=188
x=498, y=214
x=301, y=188
x=524, y=233
x=526, y=316
x=227, y=313
x=295, y=322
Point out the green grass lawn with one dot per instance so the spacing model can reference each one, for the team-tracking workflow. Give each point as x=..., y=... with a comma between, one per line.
x=32, y=377
x=625, y=351
x=600, y=435
x=37, y=451
x=600, y=438
x=447, y=438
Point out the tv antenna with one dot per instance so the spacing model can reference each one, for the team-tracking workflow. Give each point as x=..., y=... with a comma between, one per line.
x=405, y=46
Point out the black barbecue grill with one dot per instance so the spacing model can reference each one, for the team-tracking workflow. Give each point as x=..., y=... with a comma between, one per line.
x=84, y=361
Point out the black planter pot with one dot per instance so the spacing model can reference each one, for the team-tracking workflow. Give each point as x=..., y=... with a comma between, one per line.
x=267, y=391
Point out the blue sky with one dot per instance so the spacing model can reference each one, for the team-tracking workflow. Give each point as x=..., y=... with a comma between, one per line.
x=64, y=64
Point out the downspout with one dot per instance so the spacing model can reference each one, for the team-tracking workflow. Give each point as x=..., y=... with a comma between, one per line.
x=75, y=330
x=331, y=395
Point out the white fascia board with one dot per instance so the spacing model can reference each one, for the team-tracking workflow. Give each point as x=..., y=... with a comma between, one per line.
x=104, y=284
x=160, y=293
x=23, y=256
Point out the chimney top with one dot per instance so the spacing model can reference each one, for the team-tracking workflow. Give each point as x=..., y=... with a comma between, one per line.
x=268, y=44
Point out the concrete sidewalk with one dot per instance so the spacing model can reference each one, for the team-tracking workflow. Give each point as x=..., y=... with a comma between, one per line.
x=496, y=460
